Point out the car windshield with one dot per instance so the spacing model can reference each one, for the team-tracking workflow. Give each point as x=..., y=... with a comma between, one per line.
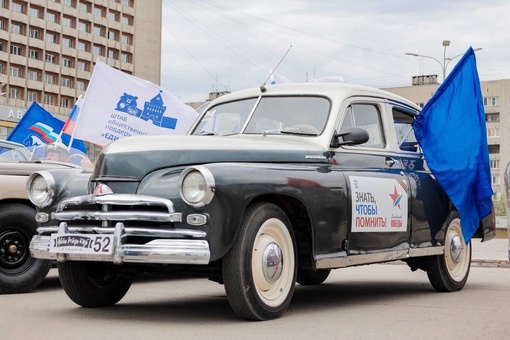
x=297, y=115
x=58, y=152
x=10, y=154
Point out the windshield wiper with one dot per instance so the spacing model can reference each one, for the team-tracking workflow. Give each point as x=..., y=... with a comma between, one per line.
x=272, y=132
x=298, y=131
x=207, y=133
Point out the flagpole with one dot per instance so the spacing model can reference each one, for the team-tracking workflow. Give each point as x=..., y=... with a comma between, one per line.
x=80, y=98
x=71, y=139
x=62, y=130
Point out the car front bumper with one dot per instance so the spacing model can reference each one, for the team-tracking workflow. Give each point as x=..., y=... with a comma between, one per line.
x=160, y=250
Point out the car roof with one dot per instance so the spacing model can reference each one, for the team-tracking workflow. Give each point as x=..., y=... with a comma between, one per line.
x=333, y=90
x=17, y=146
x=8, y=142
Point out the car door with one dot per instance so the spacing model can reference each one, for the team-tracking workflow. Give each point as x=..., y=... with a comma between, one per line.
x=428, y=201
x=378, y=188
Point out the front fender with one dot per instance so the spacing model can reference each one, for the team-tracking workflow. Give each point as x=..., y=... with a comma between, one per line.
x=318, y=192
x=68, y=183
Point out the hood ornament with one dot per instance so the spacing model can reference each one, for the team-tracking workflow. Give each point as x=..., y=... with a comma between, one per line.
x=102, y=189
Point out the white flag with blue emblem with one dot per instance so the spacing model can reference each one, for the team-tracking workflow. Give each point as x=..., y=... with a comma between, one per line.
x=277, y=78
x=118, y=105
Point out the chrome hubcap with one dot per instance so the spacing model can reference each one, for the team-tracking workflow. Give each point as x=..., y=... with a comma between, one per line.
x=456, y=249
x=272, y=262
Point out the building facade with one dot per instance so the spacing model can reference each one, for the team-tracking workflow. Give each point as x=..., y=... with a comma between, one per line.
x=48, y=49
x=496, y=101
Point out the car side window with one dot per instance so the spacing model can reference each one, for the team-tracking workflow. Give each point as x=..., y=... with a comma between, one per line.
x=368, y=117
x=402, y=121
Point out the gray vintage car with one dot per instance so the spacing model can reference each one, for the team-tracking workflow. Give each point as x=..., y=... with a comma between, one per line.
x=271, y=186
x=19, y=271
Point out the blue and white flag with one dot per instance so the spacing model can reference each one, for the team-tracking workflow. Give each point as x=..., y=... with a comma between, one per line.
x=118, y=105
x=452, y=132
x=38, y=127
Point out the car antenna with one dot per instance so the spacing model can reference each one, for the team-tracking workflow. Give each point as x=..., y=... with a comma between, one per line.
x=263, y=87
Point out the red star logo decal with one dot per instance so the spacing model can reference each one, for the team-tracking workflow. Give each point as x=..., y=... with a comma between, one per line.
x=396, y=197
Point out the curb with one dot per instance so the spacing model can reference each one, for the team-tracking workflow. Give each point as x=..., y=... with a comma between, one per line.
x=490, y=263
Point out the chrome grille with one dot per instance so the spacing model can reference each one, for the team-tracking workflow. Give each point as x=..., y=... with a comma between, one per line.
x=117, y=207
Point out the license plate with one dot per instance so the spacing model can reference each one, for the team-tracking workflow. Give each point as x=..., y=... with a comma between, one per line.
x=81, y=244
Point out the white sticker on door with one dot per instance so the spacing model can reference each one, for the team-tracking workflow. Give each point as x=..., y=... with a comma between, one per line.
x=378, y=204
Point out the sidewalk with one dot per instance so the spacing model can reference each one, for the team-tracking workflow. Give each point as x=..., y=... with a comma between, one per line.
x=493, y=253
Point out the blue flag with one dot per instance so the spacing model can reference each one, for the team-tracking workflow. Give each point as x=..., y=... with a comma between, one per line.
x=452, y=133
x=38, y=127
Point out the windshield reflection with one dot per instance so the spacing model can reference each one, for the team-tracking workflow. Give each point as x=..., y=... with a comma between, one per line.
x=298, y=115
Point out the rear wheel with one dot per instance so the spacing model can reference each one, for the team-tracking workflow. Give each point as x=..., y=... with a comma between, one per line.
x=259, y=271
x=91, y=284
x=449, y=272
x=19, y=271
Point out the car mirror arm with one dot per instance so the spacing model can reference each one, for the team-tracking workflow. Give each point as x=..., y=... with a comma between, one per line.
x=350, y=136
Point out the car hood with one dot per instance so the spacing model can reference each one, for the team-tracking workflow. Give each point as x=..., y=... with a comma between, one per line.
x=139, y=155
x=25, y=168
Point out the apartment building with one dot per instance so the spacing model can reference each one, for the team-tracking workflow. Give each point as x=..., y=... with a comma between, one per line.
x=496, y=100
x=48, y=49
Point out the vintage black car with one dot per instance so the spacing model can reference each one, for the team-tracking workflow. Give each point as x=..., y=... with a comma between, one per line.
x=271, y=186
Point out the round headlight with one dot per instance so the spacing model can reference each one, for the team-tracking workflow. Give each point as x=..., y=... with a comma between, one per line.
x=196, y=186
x=40, y=188
x=193, y=187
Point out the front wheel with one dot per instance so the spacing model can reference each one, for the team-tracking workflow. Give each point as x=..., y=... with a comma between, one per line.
x=91, y=284
x=19, y=271
x=259, y=271
x=449, y=272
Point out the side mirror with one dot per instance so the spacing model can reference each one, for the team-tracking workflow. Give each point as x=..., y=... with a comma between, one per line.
x=349, y=136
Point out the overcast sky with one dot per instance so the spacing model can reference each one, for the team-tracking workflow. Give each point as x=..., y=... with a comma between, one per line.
x=227, y=45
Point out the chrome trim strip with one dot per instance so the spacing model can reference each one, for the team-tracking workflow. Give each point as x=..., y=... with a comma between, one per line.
x=339, y=261
x=80, y=215
x=429, y=251
x=129, y=231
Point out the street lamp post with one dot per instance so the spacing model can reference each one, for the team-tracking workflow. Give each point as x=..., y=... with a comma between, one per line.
x=445, y=62
x=446, y=43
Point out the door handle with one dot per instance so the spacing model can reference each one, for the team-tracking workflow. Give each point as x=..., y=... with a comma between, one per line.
x=391, y=161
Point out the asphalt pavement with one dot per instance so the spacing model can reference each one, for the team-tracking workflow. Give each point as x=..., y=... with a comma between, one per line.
x=493, y=253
